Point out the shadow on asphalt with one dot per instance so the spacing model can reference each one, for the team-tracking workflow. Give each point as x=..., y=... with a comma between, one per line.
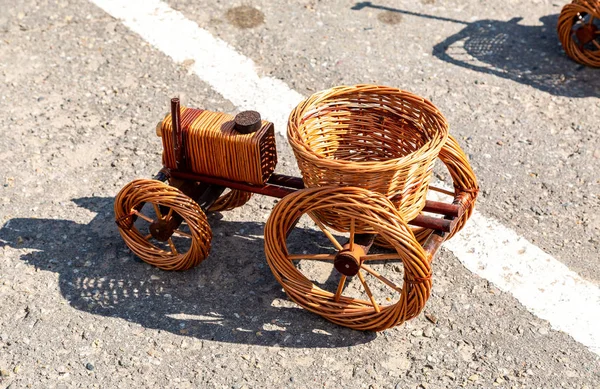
x=228, y=297
x=530, y=55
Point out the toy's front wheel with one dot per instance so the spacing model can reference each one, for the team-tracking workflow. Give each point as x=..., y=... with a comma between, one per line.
x=369, y=301
x=161, y=225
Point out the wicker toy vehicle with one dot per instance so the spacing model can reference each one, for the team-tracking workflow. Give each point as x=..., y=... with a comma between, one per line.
x=579, y=31
x=366, y=154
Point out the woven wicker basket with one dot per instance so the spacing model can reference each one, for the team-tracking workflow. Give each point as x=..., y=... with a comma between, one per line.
x=380, y=138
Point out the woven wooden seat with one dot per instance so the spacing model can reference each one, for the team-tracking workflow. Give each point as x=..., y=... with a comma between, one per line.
x=379, y=138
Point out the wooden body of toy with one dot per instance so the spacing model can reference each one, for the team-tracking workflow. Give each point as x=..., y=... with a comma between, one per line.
x=366, y=154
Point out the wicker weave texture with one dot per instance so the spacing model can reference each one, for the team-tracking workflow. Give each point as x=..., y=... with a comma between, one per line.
x=230, y=200
x=214, y=148
x=465, y=191
x=128, y=206
x=582, y=15
x=380, y=138
x=381, y=216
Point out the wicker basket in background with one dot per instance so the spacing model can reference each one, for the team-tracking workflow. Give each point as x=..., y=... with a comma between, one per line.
x=380, y=138
x=579, y=31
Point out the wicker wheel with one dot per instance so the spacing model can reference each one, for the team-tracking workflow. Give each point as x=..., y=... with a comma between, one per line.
x=230, y=200
x=149, y=215
x=380, y=138
x=378, y=302
x=579, y=31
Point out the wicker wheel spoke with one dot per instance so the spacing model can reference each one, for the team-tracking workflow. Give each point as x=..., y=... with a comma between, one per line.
x=596, y=43
x=314, y=257
x=381, y=257
x=141, y=215
x=147, y=237
x=172, y=245
x=169, y=214
x=157, y=210
x=368, y=290
x=381, y=278
x=351, y=240
x=340, y=288
x=181, y=233
x=328, y=234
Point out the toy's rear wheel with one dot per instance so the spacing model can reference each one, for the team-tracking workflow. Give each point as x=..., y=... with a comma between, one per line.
x=579, y=31
x=369, y=301
x=161, y=225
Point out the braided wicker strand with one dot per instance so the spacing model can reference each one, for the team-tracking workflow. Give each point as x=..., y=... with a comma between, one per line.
x=230, y=200
x=374, y=137
x=130, y=201
x=570, y=14
x=378, y=215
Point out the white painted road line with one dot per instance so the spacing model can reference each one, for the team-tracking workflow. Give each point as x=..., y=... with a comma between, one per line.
x=541, y=283
x=215, y=62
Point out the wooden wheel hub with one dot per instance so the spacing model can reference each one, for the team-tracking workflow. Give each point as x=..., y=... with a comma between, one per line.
x=162, y=229
x=347, y=263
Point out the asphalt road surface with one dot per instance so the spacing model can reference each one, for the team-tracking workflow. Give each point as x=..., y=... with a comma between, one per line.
x=83, y=85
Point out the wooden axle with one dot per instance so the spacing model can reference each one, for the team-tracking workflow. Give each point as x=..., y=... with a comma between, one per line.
x=434, y=241
x=347, y=261
x=454, y=210
x=280, y=186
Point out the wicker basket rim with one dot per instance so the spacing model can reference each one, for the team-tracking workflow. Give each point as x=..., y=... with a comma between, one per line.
x=297, y=143
x=392, y=163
